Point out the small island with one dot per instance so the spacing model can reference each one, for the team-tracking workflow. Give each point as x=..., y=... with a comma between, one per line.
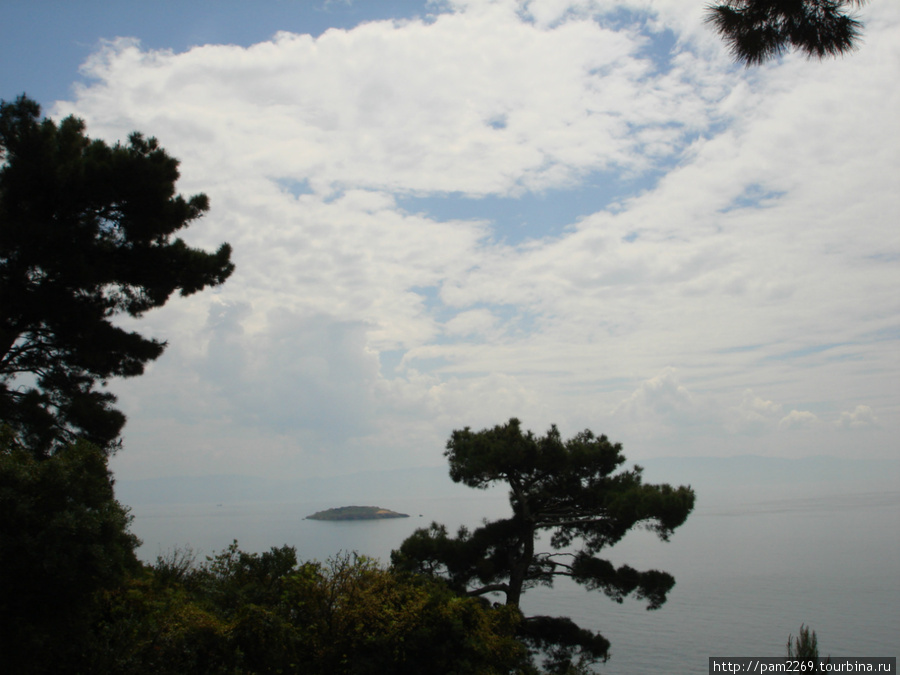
x=356, y=513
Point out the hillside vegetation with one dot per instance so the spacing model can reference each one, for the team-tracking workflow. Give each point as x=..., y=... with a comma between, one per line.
x=356, y=513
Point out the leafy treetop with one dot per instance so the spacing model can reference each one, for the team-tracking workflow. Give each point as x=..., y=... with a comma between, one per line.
x=572, y=489
x=759, y=30
x=86, y=234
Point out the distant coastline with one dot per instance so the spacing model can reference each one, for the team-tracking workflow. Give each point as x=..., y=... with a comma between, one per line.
x=356, y=513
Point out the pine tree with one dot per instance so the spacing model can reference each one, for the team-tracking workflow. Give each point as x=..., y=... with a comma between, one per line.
x=759, y=30
x=573, y=491
x=86, y=234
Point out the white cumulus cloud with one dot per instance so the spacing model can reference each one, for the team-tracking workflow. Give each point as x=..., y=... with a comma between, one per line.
x=738, y=225
x=798, y=419
x=861, y=416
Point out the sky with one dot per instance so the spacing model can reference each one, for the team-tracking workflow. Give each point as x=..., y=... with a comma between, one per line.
x=446, y=214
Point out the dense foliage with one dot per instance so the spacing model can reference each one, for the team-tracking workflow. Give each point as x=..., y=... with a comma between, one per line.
x=242, y=613
x=86, y=234
x=572, y=490
x=759, y=30
x=63, y=539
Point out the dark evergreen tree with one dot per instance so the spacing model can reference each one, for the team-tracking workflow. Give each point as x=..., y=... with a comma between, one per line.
x=572, y=490
x=63, y=539
x=759, y=30
x=86, y=234
x=804, y=646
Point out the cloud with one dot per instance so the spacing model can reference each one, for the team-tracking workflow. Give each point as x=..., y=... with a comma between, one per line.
x=753, y=415
x=661, y=397
x=735, y=224
x=476, y=101
x=860, y=417
x=798, y=419
x=472, y=322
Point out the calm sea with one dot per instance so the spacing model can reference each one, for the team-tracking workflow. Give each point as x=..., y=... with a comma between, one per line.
x=751, y=566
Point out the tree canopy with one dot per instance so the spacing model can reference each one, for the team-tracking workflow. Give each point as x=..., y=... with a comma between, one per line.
x=86, y=234
x=759, y=30
x=572, y=490
x=245, y=613
x=63, y=539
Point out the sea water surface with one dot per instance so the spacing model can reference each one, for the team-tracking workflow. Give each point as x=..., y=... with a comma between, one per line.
x=751, y=564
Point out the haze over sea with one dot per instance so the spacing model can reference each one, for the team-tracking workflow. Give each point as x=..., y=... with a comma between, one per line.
x=772, y=544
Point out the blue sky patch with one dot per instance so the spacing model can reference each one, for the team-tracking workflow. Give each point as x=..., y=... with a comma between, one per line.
x=533, y=215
